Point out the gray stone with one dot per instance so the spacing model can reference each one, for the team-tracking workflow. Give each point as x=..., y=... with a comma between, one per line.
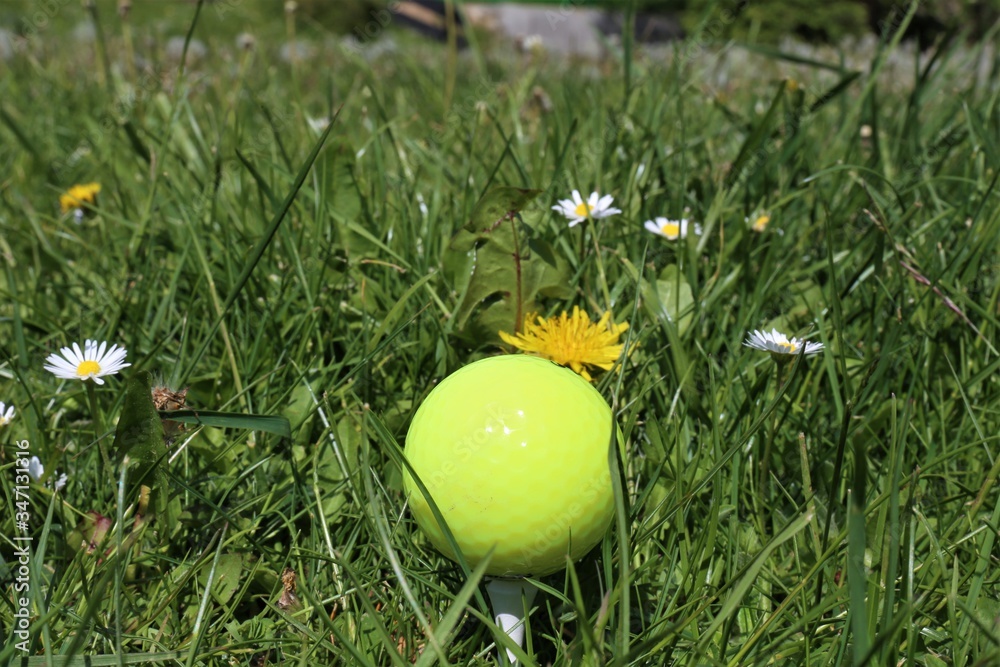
x=559, y=29
x=6, y=44
x=565, y=29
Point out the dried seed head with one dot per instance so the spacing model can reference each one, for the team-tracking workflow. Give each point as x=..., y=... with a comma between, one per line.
x=289, y=600
x=165, y=398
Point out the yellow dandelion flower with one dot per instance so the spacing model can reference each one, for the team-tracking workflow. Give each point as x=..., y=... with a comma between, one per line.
x=571, y=340
x=759, y=222
x=77, y=196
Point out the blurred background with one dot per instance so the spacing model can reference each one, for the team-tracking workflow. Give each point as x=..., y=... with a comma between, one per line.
x=760, y=21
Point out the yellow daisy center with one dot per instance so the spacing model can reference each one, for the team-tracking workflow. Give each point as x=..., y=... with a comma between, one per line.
x=87, y=368
x=760, y=224
x=671, y=229
x=582, y=209
x=790, y=347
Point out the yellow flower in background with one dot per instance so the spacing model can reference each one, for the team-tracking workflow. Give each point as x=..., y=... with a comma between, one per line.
x=759, y=222
x=571, y=340
x=77, y=196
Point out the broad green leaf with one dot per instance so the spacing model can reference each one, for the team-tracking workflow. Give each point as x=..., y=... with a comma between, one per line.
x=139, y=433
x=228, y=576
x=670, y=299
x=300, y=410
x=499, y=272
x=335, y=459
x=495, y=207
x=344, y=200
x=139, y=436
x=807, y=299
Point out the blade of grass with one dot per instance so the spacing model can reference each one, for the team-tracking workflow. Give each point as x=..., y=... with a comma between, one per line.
x=262, y=245
x=266, y=423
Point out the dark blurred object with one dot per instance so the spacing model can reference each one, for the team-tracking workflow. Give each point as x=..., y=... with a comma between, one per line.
x=933, y=18
x=830, y=22
x=660, y=20
x=432, y=18
x=341, y=16
x=650, y=28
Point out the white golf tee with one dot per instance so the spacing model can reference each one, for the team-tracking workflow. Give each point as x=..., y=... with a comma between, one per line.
x=508, y=608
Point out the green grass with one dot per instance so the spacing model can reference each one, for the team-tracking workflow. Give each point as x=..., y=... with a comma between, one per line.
x=842, y=510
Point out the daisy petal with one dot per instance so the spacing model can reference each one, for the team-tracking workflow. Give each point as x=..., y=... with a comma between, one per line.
x=94, y=362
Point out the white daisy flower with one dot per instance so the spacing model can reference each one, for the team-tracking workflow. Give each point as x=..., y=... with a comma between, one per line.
x=532, y=43
x=778, y=343
x=317, y=125
x=36, y=470
x=672, y=229
x=576, y=210
x=94, y=362
x=6, y=413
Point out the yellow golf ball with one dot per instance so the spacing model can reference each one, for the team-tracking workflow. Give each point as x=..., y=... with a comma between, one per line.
x=514, y=451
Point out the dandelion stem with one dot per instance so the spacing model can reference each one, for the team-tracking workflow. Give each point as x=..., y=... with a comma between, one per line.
x=600, y=272
x=519, y=297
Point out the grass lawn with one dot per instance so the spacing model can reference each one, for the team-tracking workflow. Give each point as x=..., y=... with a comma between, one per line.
x=295, y=235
